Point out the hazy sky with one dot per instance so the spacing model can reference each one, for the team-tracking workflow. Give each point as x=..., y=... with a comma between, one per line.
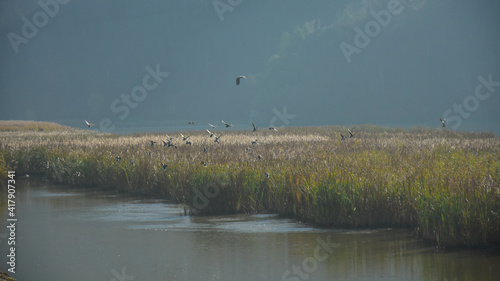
x=120, y=63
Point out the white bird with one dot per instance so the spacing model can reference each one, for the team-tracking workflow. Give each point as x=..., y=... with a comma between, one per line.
x=213, y=127
x=89, y=124
x=238, y=79
x=227, y=124
x=351, y=135
x=210, y=133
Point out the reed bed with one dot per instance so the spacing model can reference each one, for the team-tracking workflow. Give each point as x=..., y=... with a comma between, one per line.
x=443, y=184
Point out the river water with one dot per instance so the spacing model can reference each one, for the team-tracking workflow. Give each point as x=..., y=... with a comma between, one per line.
x=65, y=233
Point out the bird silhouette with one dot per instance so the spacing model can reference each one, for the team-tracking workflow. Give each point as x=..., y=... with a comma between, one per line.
x=254, y=127
x=184, y=138
x=163, y=166
x=239, y=78
x=443, y=122
x=191, y=123
x=217, y=139
x=342, y=137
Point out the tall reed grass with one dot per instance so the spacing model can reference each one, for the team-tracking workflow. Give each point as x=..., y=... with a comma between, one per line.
x=443, y=184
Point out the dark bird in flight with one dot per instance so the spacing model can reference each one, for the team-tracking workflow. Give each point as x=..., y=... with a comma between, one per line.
x=239, y=78
x=210, y=133
x=203, y=163
x=152, y=143
x=191, y=123
x=217, y=139
x=254, y=142
x=443, y=122
x=205, y=149
x=118, y=158
x=342, y=137
x=184, y=138
x=164, y=166
x=272, y=129
x=89, y=124
x=259, y=157
x=254, y=127
x=227, y=124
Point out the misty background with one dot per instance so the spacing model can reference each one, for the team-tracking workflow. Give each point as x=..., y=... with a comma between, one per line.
x=85, y=55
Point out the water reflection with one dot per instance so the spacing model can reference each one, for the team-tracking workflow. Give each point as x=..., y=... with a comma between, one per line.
x=86, y=234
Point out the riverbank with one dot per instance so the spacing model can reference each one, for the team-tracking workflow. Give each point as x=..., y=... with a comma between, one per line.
x=443, y=184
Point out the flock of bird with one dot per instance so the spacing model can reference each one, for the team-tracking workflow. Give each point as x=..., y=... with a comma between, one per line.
x=170, y=144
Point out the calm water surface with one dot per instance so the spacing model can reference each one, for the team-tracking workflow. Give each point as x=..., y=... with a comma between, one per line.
x=83, y=234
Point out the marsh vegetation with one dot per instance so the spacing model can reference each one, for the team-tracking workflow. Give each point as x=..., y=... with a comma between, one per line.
x=441, y=183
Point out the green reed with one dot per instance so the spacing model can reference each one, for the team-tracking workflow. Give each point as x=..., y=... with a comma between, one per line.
x=443, y=184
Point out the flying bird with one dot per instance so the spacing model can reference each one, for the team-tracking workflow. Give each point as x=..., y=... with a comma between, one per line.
x=227, y=124
x=210, y=133
x=164, y=166
x=351, y=135
x=254, y=127
x=152, y=143
x=203, y=163
x=213, y=127
x=342, y=137
x=239, y=78
x=217, y=139
x=255, y=142
x=89, y=124
x=443, y=122
x=272, y=129
x=191, y=123
x=184, y=138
